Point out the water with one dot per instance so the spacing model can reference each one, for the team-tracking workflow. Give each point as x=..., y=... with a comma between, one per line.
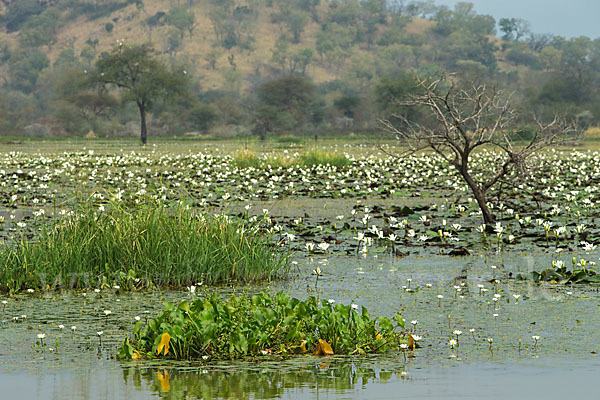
x=564, y=362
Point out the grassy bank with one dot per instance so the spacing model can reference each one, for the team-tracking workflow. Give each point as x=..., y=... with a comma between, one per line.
x=149, y=246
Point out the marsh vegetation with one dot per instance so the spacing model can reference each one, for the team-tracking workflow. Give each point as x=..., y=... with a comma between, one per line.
x=391, y=235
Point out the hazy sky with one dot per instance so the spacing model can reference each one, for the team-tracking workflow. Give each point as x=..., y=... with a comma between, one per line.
x=561, y=17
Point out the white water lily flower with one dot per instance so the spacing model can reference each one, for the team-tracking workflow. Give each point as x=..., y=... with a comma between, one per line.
x=324, y=246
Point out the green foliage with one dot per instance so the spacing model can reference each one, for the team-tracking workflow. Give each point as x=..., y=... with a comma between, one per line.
x=457, y=40
x=317, y=157
x=40, y=30
x=463, y=18
x=395, y=32
x=201, y=117
x=249, y=159
x=232, y=26
x=97, y=9
x=466, y=45
x=284, y=104
x=291, y=61
x=562, y=275
x=513, y=28
x=347, y=104
x=19, y=11
x=143, y=78
x=334, y=41
x=240, y=327
x=166, y=247
x=181, y=18
x=295, y=22
x=16, y=111
x=523, y=56
x=246, y=159
x=25, y=67
x=391, y=89
x=523, y=133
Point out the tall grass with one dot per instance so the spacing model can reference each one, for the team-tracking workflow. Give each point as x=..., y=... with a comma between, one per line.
x=149, y=246
x=249, y=159
x=246, y=159
x=318, y=157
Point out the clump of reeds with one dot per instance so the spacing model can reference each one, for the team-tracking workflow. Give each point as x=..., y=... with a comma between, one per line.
x=151, y=245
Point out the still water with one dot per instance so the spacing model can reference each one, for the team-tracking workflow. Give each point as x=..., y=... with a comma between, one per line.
x=79, y=363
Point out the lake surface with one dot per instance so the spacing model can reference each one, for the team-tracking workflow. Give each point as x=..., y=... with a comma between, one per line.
x=564, y=361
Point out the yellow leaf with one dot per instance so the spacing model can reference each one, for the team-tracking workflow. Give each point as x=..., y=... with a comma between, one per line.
x=323, y=349
x=411, y=342
x=378, y=335
x=303, y=346
x=164, y=343
x=136, y=356
x=165, y=385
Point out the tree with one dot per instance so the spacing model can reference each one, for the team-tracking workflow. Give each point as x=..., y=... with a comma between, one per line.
x=284, y=104
x=296, y=21
x=513, y=28
x=40, y=30
x=465, y=120
x=143, y=78
x=25, y=68
x=182, y=19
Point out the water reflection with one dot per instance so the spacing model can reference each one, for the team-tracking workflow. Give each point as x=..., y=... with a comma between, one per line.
x=258, y=381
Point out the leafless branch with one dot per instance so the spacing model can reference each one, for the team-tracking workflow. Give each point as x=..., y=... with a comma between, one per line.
x=466, y=119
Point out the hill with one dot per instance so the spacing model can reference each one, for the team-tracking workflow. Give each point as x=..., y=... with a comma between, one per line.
x=232, y=47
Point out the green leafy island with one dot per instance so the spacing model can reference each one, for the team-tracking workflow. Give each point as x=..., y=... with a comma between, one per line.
x=149, y=245
x=559, y=273
x=212, y=328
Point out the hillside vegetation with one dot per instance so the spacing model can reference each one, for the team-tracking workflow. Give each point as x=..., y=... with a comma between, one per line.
x=275, y=67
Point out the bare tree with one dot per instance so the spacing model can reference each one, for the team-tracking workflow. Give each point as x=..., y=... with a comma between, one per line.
x=465, y=120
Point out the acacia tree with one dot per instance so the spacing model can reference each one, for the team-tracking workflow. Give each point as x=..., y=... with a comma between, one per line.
x=142, y=77
x=466, y=120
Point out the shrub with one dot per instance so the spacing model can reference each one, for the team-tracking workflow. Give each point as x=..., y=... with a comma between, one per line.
x=213, y=328
x=149, y=246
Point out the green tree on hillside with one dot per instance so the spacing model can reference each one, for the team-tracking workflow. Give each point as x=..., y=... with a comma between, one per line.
x=296, y=21
x=25, y=67
x=142, y=77
x=183, y=19
x=513, y=28
x=40, y=30
x=284, y=104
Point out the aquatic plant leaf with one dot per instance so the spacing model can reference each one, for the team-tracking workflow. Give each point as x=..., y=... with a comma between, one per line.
x=411, y=342
x=126, y=351
x=303, y=346
x=164, y=344
x=323, y=349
